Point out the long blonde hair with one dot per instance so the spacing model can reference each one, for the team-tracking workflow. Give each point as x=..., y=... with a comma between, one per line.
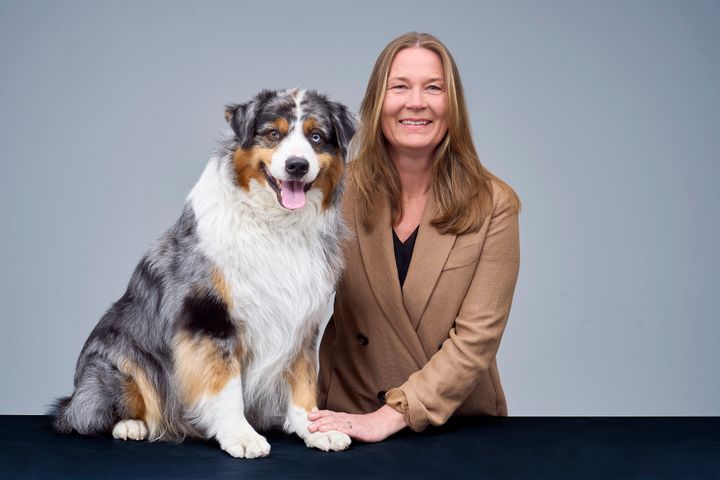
x=461, y=185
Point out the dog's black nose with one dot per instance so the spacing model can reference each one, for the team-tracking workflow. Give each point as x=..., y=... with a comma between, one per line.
x=296, y=166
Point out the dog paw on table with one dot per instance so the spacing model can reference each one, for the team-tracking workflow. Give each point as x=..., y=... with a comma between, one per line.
x=130, y=430
x=327, y=441
x=248, y=446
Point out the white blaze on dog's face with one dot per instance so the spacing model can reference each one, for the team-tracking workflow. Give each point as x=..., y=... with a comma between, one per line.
x=295, y=162
x=290, y=142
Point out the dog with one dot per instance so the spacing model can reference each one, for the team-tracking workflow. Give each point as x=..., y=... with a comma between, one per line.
x=216, y=334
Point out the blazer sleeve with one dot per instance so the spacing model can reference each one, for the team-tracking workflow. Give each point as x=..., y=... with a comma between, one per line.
x=433, y=393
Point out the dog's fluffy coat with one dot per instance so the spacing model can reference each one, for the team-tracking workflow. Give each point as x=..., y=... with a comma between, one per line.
x=216, y=333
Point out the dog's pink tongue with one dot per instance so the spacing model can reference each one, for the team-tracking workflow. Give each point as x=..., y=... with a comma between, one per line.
x=292, y=194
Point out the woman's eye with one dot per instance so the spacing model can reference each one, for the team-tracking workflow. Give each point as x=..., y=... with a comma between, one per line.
x=434, y=88
x=273, y=135
x=316, y=137
x=398, y=87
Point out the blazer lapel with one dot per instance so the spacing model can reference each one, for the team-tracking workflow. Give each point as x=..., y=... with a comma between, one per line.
x=378, y=256
x=429, y=255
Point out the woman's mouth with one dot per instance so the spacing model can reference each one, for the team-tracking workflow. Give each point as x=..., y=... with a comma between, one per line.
x=416, y=123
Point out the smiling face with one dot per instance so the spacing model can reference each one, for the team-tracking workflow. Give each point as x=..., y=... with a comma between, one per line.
x=414, y=111
x=291, y=142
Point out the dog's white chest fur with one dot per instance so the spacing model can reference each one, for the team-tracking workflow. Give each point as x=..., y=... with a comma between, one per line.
x=274, y=262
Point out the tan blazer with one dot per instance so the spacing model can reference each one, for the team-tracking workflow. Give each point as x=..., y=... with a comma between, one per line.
x=428, y=349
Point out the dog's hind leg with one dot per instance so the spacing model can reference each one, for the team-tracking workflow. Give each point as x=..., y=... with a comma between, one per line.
x=109, y=399
x=133, y=427
x=141, y=409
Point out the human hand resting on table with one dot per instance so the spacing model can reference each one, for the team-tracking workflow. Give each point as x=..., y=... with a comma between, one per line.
x=368, y=427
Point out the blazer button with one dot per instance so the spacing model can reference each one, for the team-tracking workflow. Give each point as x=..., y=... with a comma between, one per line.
x=381, y=396
x=362, y=339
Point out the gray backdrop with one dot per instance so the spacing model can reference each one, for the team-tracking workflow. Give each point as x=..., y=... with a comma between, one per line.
x=603, y=115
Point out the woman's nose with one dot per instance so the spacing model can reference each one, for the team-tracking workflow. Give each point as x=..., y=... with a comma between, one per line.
x=416, y=100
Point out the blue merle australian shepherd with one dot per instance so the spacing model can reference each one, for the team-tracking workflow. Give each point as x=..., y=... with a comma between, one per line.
x=216, y=333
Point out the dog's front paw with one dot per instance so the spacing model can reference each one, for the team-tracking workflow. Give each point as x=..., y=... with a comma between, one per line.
x=130, y=430
x=326, y=441
x=248, y=446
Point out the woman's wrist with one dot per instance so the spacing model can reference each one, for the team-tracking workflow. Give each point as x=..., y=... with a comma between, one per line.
x=393, y=420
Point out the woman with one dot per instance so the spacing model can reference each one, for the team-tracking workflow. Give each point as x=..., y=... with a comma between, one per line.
x=431, y=264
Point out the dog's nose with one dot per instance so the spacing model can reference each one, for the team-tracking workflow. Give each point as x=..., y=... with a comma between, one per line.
x=296, y=166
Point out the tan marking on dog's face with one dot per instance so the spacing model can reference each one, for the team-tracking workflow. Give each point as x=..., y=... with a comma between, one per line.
x=302, y=379
x=331, y=170
x=202, y=367
x=222, y=288
x=142, y=393
x=281, y=125
x=309, y=125
x=247, y=165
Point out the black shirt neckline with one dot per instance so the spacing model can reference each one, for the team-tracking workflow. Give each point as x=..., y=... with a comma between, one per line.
x=403, y=253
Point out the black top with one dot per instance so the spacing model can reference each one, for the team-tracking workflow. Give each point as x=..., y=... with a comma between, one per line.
x=403, y=253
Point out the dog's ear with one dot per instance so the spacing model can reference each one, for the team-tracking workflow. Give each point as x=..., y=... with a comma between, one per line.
x=243, y=117
x=345, y=125
x=242, y=120
x=241, y=123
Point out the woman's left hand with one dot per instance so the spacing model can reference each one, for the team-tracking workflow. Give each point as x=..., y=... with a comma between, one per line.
x=369, y=427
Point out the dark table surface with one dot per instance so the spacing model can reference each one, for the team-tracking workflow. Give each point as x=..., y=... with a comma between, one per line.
x=514, y=447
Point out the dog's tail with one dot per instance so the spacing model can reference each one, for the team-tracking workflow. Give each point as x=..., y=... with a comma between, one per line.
x=59, y=413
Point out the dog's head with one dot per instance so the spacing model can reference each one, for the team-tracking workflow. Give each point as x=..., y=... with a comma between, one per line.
x=291, y=141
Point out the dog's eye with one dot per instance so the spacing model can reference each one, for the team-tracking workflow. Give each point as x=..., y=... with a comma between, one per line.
x=273, y=135
x=316, y=138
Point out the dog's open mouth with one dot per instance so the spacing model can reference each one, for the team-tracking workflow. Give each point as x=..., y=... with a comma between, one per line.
x=290, y=193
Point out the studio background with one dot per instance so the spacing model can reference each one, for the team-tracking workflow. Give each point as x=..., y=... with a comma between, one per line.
x=604, y=116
